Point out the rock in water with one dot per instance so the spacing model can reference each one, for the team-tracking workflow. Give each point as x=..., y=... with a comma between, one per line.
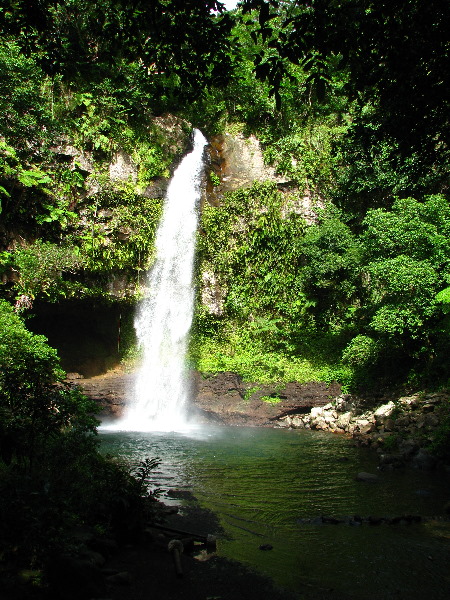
x=367, y=477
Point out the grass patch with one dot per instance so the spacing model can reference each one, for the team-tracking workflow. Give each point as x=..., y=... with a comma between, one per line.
x=249, y=393
x=271, y=399
x=250, y=360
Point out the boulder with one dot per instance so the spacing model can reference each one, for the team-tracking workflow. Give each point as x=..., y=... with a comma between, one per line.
x=389, y=424
x=384, y=411
x=431, y=420
x=411, y=402
x=402, y=421
x=343, y=403
x=316, y=411
x=343, y=420
x=394, y=461
x=367, y=428
x=319, y=423
x=407, y=448
x=297, y=421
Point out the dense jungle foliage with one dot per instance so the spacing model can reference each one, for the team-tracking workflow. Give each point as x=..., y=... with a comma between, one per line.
x=350, y=103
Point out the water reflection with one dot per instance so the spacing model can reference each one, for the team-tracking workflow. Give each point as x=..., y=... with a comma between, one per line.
x=270, y=486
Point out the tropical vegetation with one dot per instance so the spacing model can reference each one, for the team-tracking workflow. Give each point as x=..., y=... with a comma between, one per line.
x=350, y=103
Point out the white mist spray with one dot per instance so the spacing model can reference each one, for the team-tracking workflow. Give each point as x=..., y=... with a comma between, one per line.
x=165, y=315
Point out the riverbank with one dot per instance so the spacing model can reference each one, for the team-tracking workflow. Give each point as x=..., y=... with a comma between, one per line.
x=221, y=399
x=403, y=429
x=147, y=570
x=411, y=429
x=146, y=567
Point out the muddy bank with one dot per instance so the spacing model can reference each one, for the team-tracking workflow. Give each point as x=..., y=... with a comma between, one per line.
x=223, y=398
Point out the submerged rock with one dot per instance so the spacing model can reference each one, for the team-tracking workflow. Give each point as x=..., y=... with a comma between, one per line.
x=423, y=460
x=367, y=477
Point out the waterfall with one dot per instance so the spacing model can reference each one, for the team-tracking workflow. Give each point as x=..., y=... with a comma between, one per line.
x=164, y=317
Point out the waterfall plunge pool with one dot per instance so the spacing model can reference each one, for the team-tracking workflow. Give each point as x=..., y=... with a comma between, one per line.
x=271, y=486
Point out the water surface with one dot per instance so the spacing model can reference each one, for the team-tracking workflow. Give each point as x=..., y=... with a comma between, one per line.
x=270, y=486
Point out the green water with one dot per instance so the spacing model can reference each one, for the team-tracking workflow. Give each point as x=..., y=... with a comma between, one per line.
x=269, y=486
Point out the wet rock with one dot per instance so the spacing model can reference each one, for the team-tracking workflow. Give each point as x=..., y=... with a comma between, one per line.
x=175, y=132
x=109, y=391
x=367, y=477
x=227, y=399
x=266, y=547
x=343, y=420
x=407, y=448
x=331, y=520
x=122, y=578
x=424, y=460
x=393, y=461
x=157, y=188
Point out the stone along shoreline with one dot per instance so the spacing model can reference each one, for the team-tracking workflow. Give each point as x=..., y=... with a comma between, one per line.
x=400, y=430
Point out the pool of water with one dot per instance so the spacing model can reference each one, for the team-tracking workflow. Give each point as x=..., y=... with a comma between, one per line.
x=270, y=486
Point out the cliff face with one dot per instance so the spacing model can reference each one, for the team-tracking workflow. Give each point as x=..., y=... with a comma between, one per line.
x=103, y=203
x=77, y=232
x=237, y=162
x=113, y=209
x=106, y=204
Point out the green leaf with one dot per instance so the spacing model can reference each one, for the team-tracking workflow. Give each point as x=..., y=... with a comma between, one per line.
x=444, y=298
x=33, y=178
x=5, y=192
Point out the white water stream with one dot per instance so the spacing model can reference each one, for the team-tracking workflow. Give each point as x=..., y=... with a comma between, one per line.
x=165, y=315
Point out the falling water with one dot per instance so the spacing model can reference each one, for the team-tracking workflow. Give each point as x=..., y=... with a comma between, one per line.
x=165, y=315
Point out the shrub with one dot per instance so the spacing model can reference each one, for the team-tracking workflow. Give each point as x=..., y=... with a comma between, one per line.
x=52, y=477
